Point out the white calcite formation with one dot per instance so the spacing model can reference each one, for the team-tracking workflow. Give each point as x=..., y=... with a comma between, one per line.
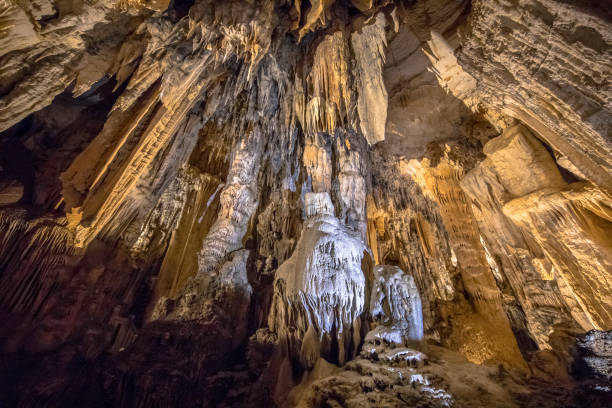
x=320, y=291
x=395, y=303
x=238, y=201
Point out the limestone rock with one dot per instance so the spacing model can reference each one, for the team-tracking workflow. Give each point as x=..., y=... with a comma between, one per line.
x=581, y=228
x=594, y=358
x=522, y=262
x=521, y=162
x=395, y=302
x=399, y=376
x=320, y=291
x=547, y=64
x=305, y=203
x=369, y=48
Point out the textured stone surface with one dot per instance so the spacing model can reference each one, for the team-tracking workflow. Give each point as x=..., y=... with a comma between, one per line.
x=395, y=302
x=578, y=228
x=594, y=358
x=320, y=291
x=304, y=202
x=547, y=65
x=369, y=45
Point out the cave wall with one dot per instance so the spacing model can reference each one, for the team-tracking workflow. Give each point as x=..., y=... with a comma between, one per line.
x=214, y=194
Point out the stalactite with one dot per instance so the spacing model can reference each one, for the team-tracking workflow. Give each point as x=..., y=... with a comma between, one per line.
x=33, y=255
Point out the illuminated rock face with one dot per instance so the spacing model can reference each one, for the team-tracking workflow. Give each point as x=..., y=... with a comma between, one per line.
x=395, y=302
x=320, y=291
x=546, y=62
x=305, y=203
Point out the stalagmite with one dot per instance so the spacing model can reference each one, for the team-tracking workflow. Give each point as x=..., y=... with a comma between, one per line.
x=395, y=302
x=320, y=292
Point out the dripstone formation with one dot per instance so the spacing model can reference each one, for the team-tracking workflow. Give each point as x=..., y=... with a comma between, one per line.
x=305, y=203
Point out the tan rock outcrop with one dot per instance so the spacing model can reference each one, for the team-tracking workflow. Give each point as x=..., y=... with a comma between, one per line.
x=531, y=278
x=577, y=243
x=531, y=192
x=369, y=48
x=547, y=64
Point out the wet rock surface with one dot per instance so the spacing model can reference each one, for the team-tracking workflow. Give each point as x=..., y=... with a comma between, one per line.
x=594, y=359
